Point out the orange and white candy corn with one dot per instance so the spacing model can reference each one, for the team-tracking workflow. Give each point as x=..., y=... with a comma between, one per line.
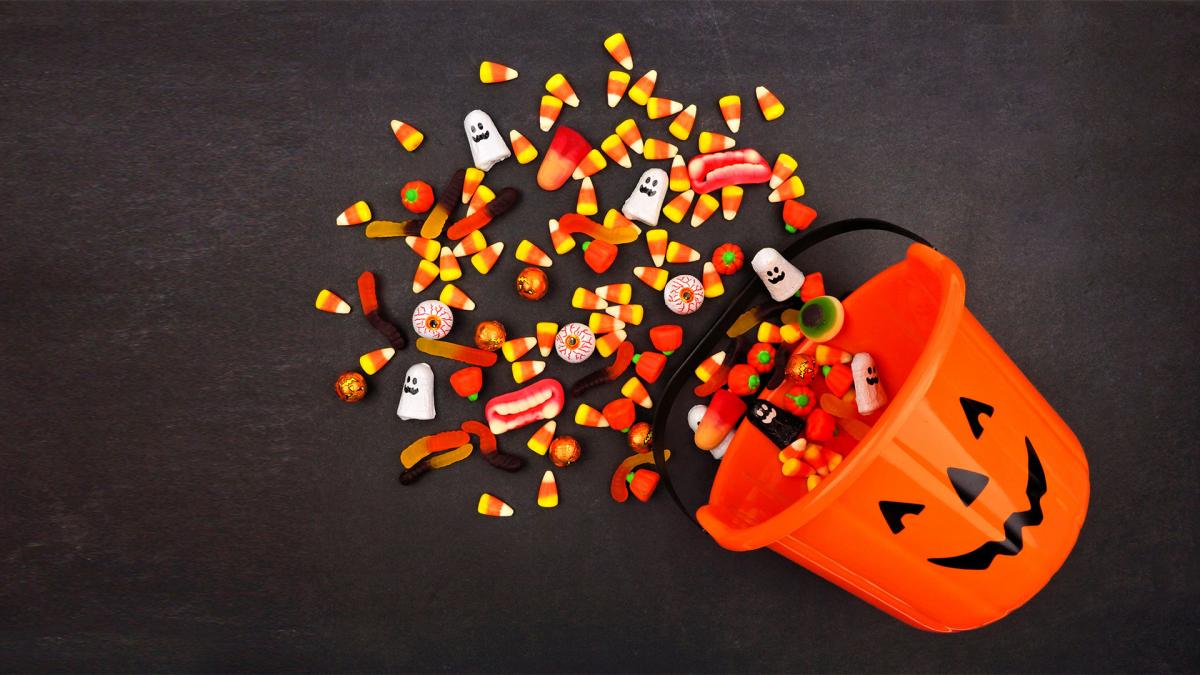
x=548, y=112
x=522, y=148
x=677, y=208
x=548, y=491
x=546, y=330
x=328, y=301
x=607, y=344
x=616, y=219
x=618, y=82
x=493, y=506
x=678, y=253
x=634, y=390
x=705, y=207
x=602, y=323
x=530, y=254
x=618, y=48
x=585, y=299
x=561, y=241
x=429, y=249
x=539, y=442
x=355, y=214
x=710, y=142
x=483, y=195
x=448, y=268
x=656, y=241
x=831, y=356
x=523, y=371
x=709, y=366
x=713, y=286
x=630, y=135
x=586, y=204
x=731, y=201
x=371, y=362
x=791, y=333
x=453, y=296
x=407, y=134
x=587, y=416
x=614, y=147
x=618, y=294
x=471, y=180
x=768, y=103
x=769, y=333
x=517, y=347
x=791, y=188
x=426, y=273
x=592, y=162
x=784, y=167
x=470, y=245
x=561, y=89
x=655, y=149
x=491, y=72
x=658, y=108
x=630, y=314
x=640, y=92
x=681, y=126
x=679, y=180
x=731, y=110
x=486, y=259
x=654, y=277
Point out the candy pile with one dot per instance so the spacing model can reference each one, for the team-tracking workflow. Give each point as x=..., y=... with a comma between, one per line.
x=439, y=243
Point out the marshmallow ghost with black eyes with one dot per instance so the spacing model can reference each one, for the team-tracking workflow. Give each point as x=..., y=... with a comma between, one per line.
x=416, y=402
x=646, y=200
x=487, y=145
x=780, y=277
x=868, y=392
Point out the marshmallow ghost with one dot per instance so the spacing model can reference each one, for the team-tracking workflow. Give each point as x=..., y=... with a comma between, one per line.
x=646, y=200
x=416, y=403
x=868, y=392
x=487, y=145
x=693, y=419
x=780, y=277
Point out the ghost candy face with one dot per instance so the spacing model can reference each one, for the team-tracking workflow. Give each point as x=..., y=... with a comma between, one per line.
x=487, y=145
x=780, y=277
x=868, y=390
x=646, y=200
x=416, y=401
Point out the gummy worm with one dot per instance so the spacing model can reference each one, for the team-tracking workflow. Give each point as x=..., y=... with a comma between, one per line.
x=608, y=373
x=370, y=307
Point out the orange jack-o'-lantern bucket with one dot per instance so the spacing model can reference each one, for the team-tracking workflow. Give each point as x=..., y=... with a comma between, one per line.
x=963, y=498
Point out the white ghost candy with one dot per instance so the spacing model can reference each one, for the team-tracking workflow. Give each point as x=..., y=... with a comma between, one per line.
x=693, y=419
x=868, y=391
x=780, y=277
x=432, y=319
x=487, y=145
x=646, y=200
x=416, y=402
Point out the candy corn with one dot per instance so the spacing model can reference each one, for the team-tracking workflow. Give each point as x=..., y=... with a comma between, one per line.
x=530, y=254
x=679, y=181
x=328, y=301
x=426, y=273
x=614, y=147
x=602, y=323
x=486, y=259
x=472, y=177
x=522, y=148
x=705, y=207
x=548, y=112
x=523, y=371
x=655, y=149
x=710, y=142
x=517, y=347
x=546, y=331
x=618, y=48
x=790, y=333
x=559, y=88
x=561, y=241
x=654, y=277
x=615, y=220
x=448, y=268
x=618, y=82
x=618, y=294
x=548, y=491
x=493, y=506
x=470, y=245
x=658, y=108
x=607, y=344
x=371, y=362
x=705, y=370
x=491, y=72
x=587, y=416
x=656, y=241
x=454, y=297
x=768, y=103
x=629, y=134
x=731, y=201
x=635, y=390
x=586, y=204
x=641, y=90
x=482, y=197
x=567, y=149
x=797, y=216
x=591, y=163
x=681, y=253
x=585, y=299
x=827, y=355
x=769, y=333
x=539, y=442
x=785, y=166
x=408, y=135
x=790, y=189
x=429, y=249
x=731, y=110
x=355, y=214
x=677, y=208
x=630, y=314
x=713, y=286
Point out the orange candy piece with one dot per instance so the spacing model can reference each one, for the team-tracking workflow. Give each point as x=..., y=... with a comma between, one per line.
x=486, y=259
x=587, y=416
x=470, y=245
x=456, y=352
x=539, y=442
x=617, y=229
x=618, y=47
x=371, y=362
x=607, y=344
x=658, y=108
x=586, y=204
x=448, y=268
x=731, y=201
x=654, y=277
x=530, y=254
x=618, y=82
x=328, y=301
x=426, y=273
x=681, y=126
x=618, y=294
x=655, y=149
x=731, y=110
x=546, y=331
x=678, y=253
x=710, y=142
x=407, y=134
x=706, y=205
x=678, y=177
x=790, y=189
x=634, y=390
x=813, y=286
x=643, y=88
x=599, y=255
x=614, y=147
x=630, y=135
x=567, y=149
x=522, y=147
x=560, y=88
x=705, y=370
x=548, y=491
x=548, y=112
x=490, y=505
x=523, y=371
x=677, y=208
x=768, y=103
x=656, y=241
x=472, y=178
x=585, y=299
x=603, y=323
x=785, y=166
x=491, y=72
x=355, y=214
x=713, y=286
x=797, y=216
x=620, y=414
x=561, y=241
x=590, y=164
x=517, y=347
x=630, y=314
x=453, y=296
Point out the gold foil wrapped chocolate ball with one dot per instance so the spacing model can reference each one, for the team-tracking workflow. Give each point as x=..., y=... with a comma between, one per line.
x=564, y=451
x=350, y=386
x=801, y=368
x=532, y=283
x=490, y=335
x=641, y=437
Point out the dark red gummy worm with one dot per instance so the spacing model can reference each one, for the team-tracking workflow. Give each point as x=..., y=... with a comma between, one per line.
x=370, y=308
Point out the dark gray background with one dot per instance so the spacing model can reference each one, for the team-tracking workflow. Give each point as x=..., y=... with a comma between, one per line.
x=182, y=492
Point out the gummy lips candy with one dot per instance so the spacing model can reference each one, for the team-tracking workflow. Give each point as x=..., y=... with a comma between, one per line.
x=733, y=167
x=539, y=401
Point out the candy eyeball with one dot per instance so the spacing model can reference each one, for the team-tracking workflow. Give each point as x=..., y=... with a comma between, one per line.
x=432, y=319
x=574, y=343
x=684, y=294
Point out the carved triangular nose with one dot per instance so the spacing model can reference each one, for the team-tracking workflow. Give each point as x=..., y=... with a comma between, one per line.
x=967, y=484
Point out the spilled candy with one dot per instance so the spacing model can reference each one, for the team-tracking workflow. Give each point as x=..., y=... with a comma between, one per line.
x=425, y=275
x=528, y=253
x=620, y=414
x=454, y=296
x=728, y=258
x=490, y=335
x=618, y=82
x=436, y=220
x=634, y=390
x=678, y=207
x=517, y=347
x=785, y=166
x=618, y=47
x=643, y=88
x=541, y=400
x=656, y=241
x=548, y=112
x=373, y=314
x=417, y=196
x=599, y=255
x=486, y=259
x=654, y=149
x=618, y=294
x=681, y=126
x=630, y=135
x=791, y=188
x=679, y=181
x=355, y=214
x=350, y=387
x=532, y=283
x=472, y=179
x=574, y=343
x=564, y=451
x=684, y=294
x=456, y=352
x=523, y=371
x=731, y=111
x=540, y=441
x=586, y=204
x=722, y=415
x=667, y=338
x=780, y=276
x=705, y=207
x=678, y=253
x=768, y=103
x=432, y=319
x=408, y=135
x=711, y=142
x=797, y=216
x=467, y=382
x=493, y=506
x=609, y=342
x=694, y=415
x=491, y=72
x=649, y=365
x=821, y=318
x=416, y=401
x=731, y=201
x=658, y=108
x=614, y=147
x=713, y=286
x=522, y=147
x=646, y=200
x=642, y=483
x=733, y=167
x=378, y=229
x=560, y=88
x=328, y=301
x=487, y=145
x=548, y=491
x=546, y=331
x=567, y=149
